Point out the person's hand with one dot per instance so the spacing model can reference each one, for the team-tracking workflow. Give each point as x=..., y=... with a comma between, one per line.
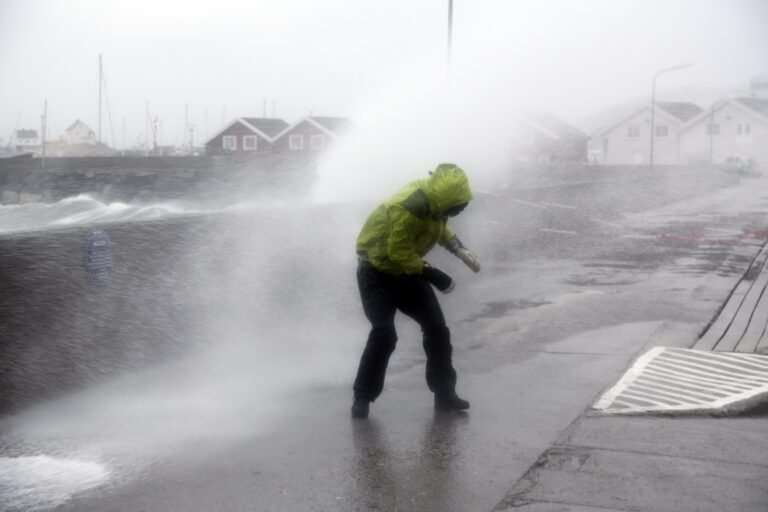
x=469, y=258
x=438, y=278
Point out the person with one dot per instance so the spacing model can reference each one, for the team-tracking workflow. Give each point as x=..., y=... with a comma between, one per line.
x=392, y=275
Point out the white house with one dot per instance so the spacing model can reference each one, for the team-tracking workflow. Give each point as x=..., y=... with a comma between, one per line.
x=26, y=140
x=628, y=141
x=732, y=127
x=79, y=133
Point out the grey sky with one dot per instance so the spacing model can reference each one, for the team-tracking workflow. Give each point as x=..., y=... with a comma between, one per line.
x=343, y=57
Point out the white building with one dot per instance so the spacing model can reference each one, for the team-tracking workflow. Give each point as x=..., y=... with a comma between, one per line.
x=735, y=127
x=26, y=140
x=629, y=140
x=79, y=133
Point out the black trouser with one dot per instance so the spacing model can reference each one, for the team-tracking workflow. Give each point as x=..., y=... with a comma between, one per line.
x=382, y=295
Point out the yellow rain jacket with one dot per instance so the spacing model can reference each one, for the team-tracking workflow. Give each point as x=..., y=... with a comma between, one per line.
x=407, y=226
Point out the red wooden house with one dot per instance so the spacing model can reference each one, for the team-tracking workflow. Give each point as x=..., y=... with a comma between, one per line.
x=310, y=135
x=245, y=136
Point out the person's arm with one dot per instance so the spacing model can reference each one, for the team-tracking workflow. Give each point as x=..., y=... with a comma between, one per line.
x=455, y=247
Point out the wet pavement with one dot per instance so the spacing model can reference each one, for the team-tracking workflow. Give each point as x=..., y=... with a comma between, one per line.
x=554, y=319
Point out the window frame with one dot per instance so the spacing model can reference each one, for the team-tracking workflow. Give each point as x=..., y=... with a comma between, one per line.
x=293, y=144
x=247, y=138
x=633, y=131
x=229, y=138
x=317, y=137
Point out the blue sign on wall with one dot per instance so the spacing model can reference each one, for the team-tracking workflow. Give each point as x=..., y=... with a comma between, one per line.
x=98, y=258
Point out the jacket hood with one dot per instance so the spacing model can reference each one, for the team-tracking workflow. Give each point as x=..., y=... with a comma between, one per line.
x=446, y=187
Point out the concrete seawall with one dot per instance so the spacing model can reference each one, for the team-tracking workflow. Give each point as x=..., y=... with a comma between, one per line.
x=60, y=330
x=151, y=179
x=175, y=285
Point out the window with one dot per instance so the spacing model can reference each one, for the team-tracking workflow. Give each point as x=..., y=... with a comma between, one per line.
x=743, y=129
x=633, y=131
x=229, y=142
x=250, y=142
x=317, y=141
x=605, y=146
x=662, y=131
x=743, y=133
x=713, y=129
x=296, y=142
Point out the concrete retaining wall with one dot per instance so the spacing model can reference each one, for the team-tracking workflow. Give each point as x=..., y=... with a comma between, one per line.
x=59, y=330
x=176, y=285
x=150, y=179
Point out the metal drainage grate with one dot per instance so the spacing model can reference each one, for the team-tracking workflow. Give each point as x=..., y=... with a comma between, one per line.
x=675, y=379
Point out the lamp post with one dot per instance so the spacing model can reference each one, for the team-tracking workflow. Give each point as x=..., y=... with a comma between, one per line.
x=653, y=103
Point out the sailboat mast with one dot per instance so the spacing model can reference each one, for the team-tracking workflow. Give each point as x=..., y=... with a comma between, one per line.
x=100, y=82
x=43, y=128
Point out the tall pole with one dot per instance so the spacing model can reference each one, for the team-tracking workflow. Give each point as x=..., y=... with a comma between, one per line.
x=450, y=35
x=43, y=123
x=155, y=125
x=99, y=140
x=147, y=127
x=711, y=133
x=653, y=105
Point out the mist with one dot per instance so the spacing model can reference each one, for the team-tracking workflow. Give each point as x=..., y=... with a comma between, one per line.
x=238, y=304
x=336, y=57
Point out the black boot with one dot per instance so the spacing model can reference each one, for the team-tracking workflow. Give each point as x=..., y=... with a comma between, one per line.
x=360, y=408
x=450, y=402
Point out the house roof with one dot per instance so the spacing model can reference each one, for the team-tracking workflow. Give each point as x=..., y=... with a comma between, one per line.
x=267, y=126
x=333, y=124
x=758, y=105
x=682, y=110
x=26, y=134
x=553, y=126
x=77, y=122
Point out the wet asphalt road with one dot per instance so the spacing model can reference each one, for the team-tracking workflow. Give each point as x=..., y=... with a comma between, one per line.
x=578, y=277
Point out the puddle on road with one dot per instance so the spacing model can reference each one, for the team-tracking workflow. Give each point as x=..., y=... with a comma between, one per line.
x=499, y=309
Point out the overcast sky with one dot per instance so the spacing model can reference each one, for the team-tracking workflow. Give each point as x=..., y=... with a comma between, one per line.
x=347, y=57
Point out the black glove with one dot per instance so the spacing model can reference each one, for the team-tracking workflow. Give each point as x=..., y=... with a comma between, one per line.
x=437, y=278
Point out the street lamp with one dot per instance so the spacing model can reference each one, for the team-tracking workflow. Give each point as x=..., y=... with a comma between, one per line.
x=653, y=102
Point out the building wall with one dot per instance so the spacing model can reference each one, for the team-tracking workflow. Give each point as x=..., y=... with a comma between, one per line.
x=238, y=130
x=306, y=130
x=625, y=150
x=696, y=146
x=80, y=134
x=26, y=143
